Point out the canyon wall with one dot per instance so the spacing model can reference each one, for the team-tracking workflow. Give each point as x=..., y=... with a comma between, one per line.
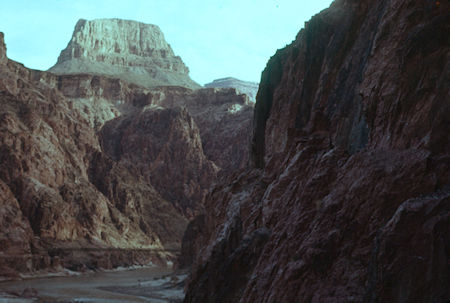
x=97, y=172
x=347, y=198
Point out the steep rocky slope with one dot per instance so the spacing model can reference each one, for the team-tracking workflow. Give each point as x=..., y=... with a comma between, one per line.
x=245, y=87
x=348, y=195
x=133, y=51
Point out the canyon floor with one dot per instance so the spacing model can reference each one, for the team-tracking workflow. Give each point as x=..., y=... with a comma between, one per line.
x=151, y=284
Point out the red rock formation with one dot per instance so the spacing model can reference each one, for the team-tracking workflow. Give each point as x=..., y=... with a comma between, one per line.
x=348, y=196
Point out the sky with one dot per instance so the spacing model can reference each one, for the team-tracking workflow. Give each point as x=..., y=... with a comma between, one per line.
x=215, y=38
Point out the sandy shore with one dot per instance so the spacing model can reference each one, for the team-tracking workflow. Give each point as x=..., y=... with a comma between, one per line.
x=154, y=284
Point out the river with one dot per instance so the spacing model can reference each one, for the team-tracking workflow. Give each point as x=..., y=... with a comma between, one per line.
x=153, y=284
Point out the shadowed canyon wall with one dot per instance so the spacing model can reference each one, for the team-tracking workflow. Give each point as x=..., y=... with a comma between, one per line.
x=348, y=195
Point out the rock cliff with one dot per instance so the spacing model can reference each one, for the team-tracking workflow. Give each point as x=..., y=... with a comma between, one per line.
x=348, y=195
x=245, y=87
x=129, y=50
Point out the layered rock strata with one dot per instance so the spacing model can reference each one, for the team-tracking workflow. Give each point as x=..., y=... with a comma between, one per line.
x=348, y=195
x=132, y=51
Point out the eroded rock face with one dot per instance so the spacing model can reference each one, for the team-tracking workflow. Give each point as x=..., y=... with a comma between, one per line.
x=130, y=50
x=245, y=87
x=348, y=196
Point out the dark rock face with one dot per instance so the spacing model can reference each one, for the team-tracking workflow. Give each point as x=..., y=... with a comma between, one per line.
x=245, y=87
x=132, y=51
x=191, y=242
x=347, y=199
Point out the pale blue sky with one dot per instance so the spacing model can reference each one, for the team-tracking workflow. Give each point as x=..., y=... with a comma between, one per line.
x=216, y=38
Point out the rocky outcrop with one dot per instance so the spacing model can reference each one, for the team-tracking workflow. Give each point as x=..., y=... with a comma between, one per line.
x=245, y=87
x=347, y=198
x=129, y=50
